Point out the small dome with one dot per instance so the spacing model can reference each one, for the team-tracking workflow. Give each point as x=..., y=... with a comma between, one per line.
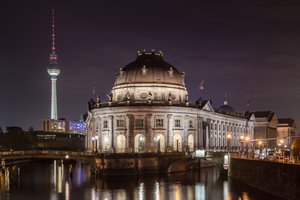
x=225, y=109
x=149, y=67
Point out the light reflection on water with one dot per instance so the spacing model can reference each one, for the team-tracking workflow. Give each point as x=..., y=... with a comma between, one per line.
x=59, y=180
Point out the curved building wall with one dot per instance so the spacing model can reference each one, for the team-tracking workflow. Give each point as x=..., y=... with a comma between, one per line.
x=144, y=92
x=162, y=129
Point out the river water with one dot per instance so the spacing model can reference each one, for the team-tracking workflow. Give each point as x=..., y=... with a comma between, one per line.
x=56, y=180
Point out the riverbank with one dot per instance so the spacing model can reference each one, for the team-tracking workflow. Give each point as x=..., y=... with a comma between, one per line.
x=281, y=179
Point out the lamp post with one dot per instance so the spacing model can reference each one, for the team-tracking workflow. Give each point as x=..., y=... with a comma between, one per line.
x=228, y=141
x=280, y=144
x=247, y=141
x=242, y=145
x=259, y=144
x=93, y=140
x=96, y=139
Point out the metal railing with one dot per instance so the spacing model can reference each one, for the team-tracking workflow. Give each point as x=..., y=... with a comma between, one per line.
x=287, y=160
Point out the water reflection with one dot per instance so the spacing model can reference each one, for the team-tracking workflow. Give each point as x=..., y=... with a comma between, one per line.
x=59, y=179
x=200, y=191
x=4, y=180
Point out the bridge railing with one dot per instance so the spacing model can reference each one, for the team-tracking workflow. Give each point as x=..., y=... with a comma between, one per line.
x=43, y=152
x=287, y=160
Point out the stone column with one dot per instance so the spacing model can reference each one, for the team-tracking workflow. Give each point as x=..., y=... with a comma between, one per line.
x=185, y=133
x=208, y=133
x=100, y=139
x=148, y=133
x=129, y=135
x=199, y=133
x=112, y=132
x=169, y=132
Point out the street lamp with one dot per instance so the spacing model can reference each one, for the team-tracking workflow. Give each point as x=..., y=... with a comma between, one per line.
x=93, y=140
x=96, y=139
x=228, y=141
x=259, y=144
x=247, y=141
x=281, y=141
x=280, y=144
x=242, y=144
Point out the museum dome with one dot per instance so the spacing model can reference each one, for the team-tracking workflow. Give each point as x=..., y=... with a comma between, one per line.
x=149, y=78
x=149, y=67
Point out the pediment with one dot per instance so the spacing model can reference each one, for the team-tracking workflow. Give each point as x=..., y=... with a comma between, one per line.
x=208, y=107
x=274, y=121
x=252, y=118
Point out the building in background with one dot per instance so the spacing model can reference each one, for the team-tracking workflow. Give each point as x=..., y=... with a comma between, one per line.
x=286, y=132
x=77, y=127
x=266, y=128
x=274, y=133
x=65, y=126
x=52, y=125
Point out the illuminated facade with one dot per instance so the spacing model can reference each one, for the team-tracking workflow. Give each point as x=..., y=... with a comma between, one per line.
x=78, y=127
x=64, y=126
x=54, y=125
x=148, y=110
x=286, y=131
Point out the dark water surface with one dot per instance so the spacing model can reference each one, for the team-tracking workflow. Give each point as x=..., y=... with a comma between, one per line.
x=53, y=180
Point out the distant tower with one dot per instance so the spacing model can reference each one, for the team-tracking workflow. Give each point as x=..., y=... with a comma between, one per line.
x=53, y=71
x=226, y=100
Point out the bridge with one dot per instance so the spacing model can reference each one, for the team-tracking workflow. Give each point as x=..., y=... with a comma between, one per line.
x=8, y=155
x=120, y=163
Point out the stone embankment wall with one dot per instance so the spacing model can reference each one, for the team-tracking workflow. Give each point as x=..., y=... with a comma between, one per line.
x=281, y=179
x=134, y=164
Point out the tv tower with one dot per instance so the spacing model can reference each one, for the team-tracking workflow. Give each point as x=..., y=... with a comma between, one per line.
x=53, y=71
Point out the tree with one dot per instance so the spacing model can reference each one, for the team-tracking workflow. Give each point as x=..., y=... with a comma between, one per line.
x=30, y=129
x=296, y=148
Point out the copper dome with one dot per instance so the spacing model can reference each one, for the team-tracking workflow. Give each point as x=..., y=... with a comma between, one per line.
x=149, y=67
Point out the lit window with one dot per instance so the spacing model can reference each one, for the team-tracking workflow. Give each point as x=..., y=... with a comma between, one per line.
x=120, y=122
x=139, y=122
x=177, y=123
x=159, y=122
x=105, y=124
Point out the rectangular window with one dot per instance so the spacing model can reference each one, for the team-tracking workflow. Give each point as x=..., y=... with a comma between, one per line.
x=159, y=122
x=120, y=123
x=105, y=124
x=139, y=122
x=177, y=123
x=191, y=124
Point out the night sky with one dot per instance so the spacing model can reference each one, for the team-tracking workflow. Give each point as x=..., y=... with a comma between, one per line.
x=251, y=51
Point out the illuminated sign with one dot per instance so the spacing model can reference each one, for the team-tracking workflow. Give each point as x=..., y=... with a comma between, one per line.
x=200, y=153
x=226, y=162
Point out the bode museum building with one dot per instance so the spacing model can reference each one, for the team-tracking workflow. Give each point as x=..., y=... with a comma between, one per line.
x=148, y=110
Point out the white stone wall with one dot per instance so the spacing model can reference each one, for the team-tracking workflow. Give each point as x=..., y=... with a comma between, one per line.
x=182, y=129
x=140, y=92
